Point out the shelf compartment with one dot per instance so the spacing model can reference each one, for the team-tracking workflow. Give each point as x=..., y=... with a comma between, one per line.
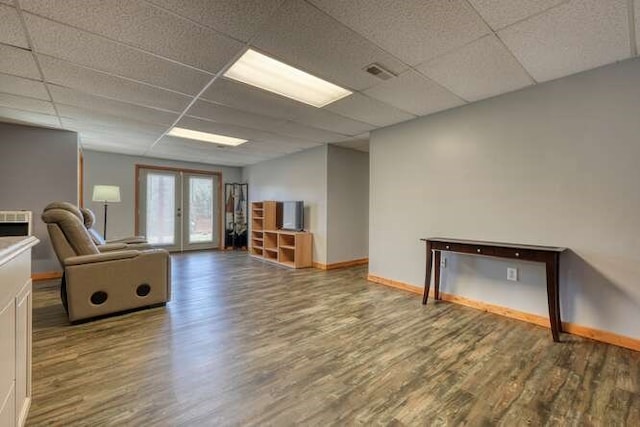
x=256, y=224
x=271, y=254
x=286, y=239
x=288, y=263
x=286, y=256
x=271, y=239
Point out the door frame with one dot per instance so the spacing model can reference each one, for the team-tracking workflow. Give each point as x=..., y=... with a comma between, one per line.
x=183, y=170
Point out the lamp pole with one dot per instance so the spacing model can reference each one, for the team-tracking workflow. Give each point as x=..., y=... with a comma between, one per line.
x=104, y=230
x=106, y=194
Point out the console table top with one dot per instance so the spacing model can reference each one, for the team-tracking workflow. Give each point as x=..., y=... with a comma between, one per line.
x=12, y=246
x=504, y=245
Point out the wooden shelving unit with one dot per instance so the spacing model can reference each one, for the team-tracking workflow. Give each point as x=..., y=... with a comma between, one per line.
x=295, y=248
x=289, y=248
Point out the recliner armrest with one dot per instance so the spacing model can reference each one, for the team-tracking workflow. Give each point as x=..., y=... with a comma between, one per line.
x=132, y=239
x=108, y=247
x=102, y=257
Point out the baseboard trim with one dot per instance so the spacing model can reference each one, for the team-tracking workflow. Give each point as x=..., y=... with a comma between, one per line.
x=567, y=327
x=602, y=336
x=49, y=275
x=394, y=284
x=343, y=264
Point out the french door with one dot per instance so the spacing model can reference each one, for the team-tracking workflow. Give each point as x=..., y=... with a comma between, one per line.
x=179, y=210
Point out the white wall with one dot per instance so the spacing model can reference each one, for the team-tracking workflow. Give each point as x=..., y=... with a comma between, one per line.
x=347, y=204
x=556, y=164
x=298, y=176
x=38, y=166
x=119, y=169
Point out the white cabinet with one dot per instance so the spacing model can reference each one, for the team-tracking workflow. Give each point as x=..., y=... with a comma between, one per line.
x=23, y=353
x=15, y=329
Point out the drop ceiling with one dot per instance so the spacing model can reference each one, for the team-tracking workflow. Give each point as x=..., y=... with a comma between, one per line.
x=123, y=72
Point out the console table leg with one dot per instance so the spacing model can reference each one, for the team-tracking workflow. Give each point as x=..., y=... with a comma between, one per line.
x=427, y=277
x=436, y=274
x=553, y=297
x=556, y=262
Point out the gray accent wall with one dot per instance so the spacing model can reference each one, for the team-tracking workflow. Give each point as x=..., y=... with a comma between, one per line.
x=38, y=166
x=347, y=204
x=119, y=169
x=555, y=164
x=298, y=176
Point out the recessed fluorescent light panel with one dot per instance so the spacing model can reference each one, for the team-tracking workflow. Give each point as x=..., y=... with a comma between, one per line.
x=259, y=70
x=204, y=136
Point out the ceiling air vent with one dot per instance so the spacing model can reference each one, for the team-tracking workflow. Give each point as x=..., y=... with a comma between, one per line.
x=378, y=71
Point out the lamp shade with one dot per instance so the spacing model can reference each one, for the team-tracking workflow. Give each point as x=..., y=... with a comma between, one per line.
x=106, y=193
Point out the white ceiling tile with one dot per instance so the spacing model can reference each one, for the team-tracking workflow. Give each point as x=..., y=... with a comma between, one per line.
x=479, y=70
x=107, y=143
x=413, y=30
x=212, y=160
x=136, y=141
x=13, y=115
x=27, y=104
x=227, y=115
x=251, y=148
x=97, y=52
x=570, y=38
x=248, y=98
x=143, y=25
x=369, y=110
x=223, y=114
x=94, y=82
x=242, y=132
x=24, y=87
x=415, y=93
x=258, y=101
x=190, y=150
x=11, y=31
x=82, y=118
x=355, y=144
x=501, y=13
x=328, y=120
x=63, y=95
x=307, y=38
x=18, y=61
x=297, y=130
x=238, y=18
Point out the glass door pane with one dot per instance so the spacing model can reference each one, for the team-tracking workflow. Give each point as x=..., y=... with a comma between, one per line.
x=179, y=210
x=200, y=209
x=160, y=208
x=201, y=204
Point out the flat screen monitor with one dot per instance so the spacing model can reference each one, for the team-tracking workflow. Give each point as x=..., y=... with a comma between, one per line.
x=293, y=216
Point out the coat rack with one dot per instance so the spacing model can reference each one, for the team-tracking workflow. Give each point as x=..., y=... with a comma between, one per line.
x=236, y=197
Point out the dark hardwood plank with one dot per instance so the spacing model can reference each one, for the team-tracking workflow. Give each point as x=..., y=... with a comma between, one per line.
x=248, y=343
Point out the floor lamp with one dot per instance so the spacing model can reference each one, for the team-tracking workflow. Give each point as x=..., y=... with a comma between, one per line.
x=106, y=194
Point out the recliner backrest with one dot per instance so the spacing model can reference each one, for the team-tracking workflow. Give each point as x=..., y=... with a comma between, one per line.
x=89, y=219
x=67, y=231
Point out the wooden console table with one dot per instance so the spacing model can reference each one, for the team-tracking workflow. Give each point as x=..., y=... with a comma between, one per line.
x=550, y=256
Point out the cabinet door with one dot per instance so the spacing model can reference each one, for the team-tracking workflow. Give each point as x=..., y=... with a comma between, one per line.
x=7, y=412
x=23, y=353
x=7, y=361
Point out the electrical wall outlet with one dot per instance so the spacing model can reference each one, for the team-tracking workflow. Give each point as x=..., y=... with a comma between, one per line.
x=443, y=263
x=512, y=274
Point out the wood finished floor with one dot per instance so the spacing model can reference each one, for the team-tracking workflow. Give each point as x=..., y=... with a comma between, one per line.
x=247, y=343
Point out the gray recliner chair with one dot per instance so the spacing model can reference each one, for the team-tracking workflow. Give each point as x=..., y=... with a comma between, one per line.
x=134, y=242
x=95, y=284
